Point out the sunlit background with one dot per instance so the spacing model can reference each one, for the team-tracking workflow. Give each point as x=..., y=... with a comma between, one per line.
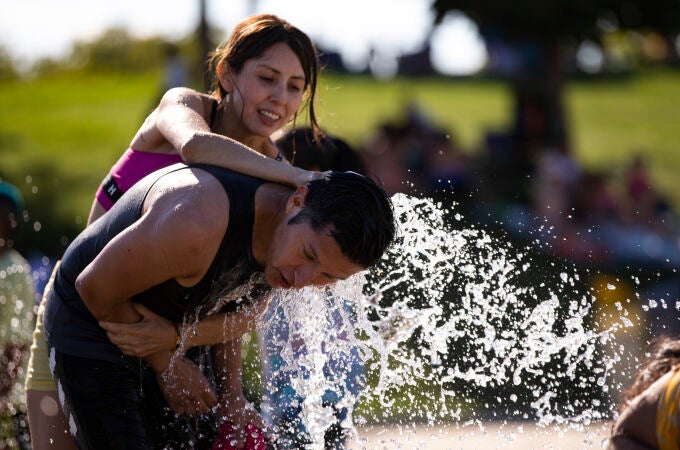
x=551, y=126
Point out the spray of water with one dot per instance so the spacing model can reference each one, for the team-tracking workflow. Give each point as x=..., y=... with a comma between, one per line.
x=453, y=325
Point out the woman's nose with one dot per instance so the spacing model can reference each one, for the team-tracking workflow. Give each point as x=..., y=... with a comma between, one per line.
x=278, y=94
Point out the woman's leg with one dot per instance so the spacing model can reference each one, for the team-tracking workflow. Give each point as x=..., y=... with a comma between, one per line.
x=49, y=430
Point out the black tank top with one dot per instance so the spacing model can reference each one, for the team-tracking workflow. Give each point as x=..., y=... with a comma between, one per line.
x=232, y=278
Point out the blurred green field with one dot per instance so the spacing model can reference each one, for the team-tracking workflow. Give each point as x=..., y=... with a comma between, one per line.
x=60, y=135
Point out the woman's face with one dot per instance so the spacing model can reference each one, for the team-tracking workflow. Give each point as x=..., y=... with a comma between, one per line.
x=268, y=90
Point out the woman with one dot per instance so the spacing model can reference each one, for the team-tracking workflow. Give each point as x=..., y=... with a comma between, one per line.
x=650, y=414
x=263, y=74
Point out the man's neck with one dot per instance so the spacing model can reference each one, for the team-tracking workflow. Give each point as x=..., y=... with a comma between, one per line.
x=270, y=210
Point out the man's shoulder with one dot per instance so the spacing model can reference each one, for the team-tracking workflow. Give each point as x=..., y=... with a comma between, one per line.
x=192, y=199
x=225, y=174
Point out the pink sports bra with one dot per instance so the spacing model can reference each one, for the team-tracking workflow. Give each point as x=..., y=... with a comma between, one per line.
x=132, y=166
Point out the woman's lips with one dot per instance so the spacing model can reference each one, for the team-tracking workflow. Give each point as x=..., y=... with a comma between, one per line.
x=269, y=118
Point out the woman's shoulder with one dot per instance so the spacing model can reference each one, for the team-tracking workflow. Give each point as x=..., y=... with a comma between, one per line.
x=187, y=96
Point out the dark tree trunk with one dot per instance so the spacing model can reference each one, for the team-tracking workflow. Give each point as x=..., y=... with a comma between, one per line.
x=204, y=45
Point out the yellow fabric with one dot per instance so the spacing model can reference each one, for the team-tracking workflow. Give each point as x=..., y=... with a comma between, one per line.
x=38, y=375
x=667, y=414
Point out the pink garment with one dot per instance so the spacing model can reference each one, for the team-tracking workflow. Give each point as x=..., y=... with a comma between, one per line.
x=132, y=166
x=254, y=438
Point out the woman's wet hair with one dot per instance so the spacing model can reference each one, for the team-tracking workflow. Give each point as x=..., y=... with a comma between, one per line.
x=664, y=355
x=355, y=211
x=251, y=38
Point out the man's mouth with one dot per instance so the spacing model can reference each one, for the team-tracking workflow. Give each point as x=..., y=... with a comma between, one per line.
x=285, y=284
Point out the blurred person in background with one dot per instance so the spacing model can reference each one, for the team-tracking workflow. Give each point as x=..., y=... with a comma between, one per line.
x=17, y=297
x=416, y=155
x=649, y=417
x=264, y=74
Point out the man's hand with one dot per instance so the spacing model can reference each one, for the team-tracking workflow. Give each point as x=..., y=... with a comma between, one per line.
x=185, y=388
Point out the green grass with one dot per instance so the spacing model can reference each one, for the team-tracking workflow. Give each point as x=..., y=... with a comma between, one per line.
x=612, y=122
x=61, y=134
x=64, y=133
x=352, y=107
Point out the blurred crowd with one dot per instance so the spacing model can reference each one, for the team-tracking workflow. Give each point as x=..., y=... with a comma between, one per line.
x=610, y=217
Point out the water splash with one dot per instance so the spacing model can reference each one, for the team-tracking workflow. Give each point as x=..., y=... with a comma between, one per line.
x=453, y=325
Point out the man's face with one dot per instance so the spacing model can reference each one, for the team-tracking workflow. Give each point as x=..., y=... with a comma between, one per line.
x=300, y=256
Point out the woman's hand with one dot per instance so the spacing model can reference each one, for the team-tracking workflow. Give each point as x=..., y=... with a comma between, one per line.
x=306, y=176
x=150, y=335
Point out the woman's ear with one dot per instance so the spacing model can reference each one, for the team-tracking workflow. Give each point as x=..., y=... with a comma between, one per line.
x=224, y=76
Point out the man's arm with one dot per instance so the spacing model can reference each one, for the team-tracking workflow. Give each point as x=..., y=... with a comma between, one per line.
x=177, y=237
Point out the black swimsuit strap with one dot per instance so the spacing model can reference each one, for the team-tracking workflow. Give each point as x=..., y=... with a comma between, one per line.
x=213, y=113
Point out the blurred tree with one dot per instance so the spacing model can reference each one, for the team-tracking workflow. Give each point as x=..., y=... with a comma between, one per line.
x=204, y=44
x=7, y=70
x=116, y=49
x=529, y=37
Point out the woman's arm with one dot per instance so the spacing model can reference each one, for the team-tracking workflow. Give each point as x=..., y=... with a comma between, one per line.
x=180, y=119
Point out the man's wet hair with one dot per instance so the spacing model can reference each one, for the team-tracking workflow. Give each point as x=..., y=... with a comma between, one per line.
x=356, y=212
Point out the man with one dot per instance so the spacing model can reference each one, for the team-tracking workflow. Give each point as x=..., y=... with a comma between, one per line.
x=192, y=241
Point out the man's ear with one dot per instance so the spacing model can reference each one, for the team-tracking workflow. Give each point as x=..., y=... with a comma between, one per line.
x=297, y=199
x=224, y=76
